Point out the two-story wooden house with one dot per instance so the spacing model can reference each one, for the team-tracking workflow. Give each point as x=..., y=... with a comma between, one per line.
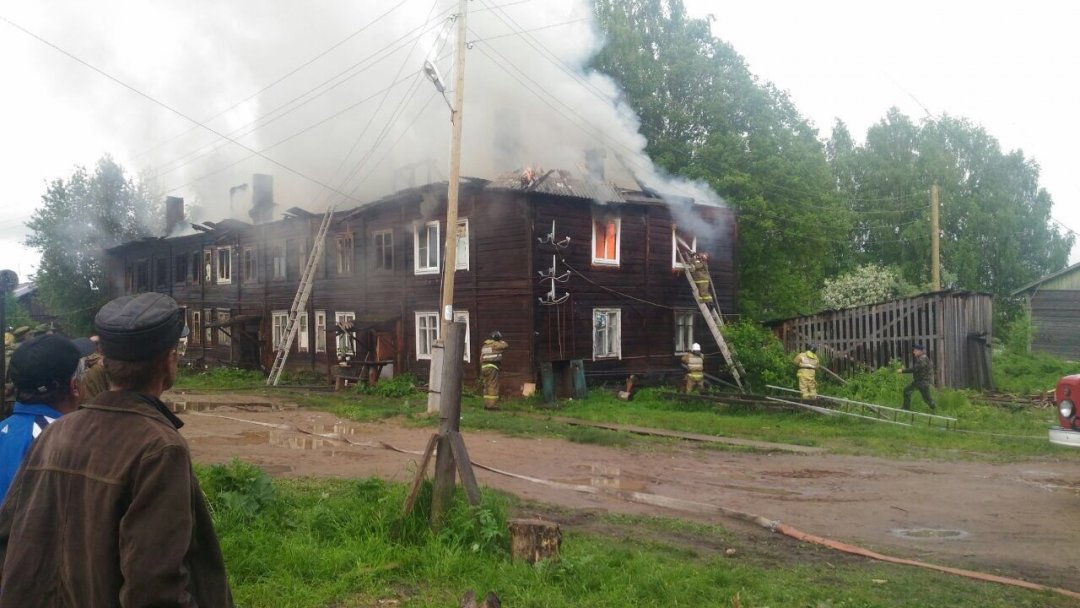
x=565, y=268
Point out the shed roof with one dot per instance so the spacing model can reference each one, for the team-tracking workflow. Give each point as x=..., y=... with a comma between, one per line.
x=1049, y=277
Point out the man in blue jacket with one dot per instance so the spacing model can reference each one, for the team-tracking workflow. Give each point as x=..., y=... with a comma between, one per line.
x=43, y=372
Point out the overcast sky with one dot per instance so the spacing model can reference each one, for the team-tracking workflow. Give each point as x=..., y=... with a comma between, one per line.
x=1007, y=66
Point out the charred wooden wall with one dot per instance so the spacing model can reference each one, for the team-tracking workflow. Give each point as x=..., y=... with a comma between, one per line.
x=644, y=287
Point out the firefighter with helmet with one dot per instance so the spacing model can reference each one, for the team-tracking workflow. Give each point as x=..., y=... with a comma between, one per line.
x=807, y=362
x=491, y=355
x=694, y=362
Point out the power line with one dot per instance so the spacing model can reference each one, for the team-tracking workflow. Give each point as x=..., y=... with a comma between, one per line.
x=161, y=103
x=280, y=79
x=535, y=29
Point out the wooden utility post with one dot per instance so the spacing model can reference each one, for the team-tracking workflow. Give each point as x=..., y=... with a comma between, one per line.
x=450, y=256
x=935, y=241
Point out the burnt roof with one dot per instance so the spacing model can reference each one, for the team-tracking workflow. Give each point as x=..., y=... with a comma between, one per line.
x=557, y=182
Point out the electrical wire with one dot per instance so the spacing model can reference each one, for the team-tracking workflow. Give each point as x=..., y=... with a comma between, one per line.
x=162, y=104
x=277, y=81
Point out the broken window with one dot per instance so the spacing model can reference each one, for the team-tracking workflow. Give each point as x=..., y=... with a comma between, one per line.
x=195, y=330
x=277, y=262
x=224, y=333
x=180, y=268
x=208, y=333
x=384, y=249
x=683, y=239
x=684, y=330
x=161, y=272
x=279, y=319
x=142, y=275
x=344, y=253
x=345, y=341
x=426, y=248
x=607, y=341
x=427, y=332
x=208, y=266
x=250, y=265
x=224, y=265
x=320, y=331
x=462, y=261
x=606, y=241
x=195, y=267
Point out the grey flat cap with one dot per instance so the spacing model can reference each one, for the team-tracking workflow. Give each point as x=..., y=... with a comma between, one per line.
x=138, y=328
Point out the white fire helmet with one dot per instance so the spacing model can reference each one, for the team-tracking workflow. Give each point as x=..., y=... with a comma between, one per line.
x=695, y=348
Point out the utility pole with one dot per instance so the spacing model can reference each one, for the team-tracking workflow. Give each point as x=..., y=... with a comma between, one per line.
x=935, y=241
x=450, y=256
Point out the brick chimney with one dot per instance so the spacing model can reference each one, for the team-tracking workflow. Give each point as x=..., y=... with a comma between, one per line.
x=174, y=214
x=262, y=198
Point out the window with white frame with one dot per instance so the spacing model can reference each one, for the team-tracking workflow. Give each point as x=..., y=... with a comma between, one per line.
x=607, y=341
x=462, y=316
x=280, y=320
x=302, y=335
x=684, y=239
x=320, y=331
x=344, y=253
x=208, y=267
x=462, y=240
x=427, y=332
x=224, y=332
x=384, y=249
x=250, y=266
x=605, y=240
x=345, y=344
x=684, y=330
x=224, y=265
x=426, y=248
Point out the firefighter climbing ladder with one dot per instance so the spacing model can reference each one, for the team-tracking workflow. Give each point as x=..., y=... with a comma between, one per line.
x=299, y=304
x=707, y=302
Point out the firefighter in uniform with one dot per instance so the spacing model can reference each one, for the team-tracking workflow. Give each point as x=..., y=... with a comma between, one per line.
x=699, y=270
x=694, y=362
x=807, y=361
x=491, y=355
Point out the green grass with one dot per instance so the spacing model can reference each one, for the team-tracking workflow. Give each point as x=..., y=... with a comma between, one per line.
x=314, y=543
x=1029, y=373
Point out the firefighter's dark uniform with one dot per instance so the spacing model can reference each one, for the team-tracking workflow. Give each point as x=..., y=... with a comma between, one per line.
x=922, y=376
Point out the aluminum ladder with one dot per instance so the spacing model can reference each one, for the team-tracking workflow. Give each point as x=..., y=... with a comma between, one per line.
x=713, y=318
x=299, y=305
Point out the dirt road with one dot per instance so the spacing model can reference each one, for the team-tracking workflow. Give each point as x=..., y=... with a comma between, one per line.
x=1011, y=519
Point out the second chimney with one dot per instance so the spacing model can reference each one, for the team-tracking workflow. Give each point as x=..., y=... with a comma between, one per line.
x=174, y=213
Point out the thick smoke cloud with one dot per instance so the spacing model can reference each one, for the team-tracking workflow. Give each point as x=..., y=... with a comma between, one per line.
x=529, y=101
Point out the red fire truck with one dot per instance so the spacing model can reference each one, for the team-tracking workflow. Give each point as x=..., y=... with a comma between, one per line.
x=1065, y=396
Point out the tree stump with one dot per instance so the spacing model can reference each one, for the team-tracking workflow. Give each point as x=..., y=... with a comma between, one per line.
x=533, y=540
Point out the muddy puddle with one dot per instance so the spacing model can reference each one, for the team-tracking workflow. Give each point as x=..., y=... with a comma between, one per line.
x=180, y=407
x=930, y=534
x=606, y=476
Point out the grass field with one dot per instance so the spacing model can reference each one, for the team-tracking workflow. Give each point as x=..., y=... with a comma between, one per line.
x=315, y=543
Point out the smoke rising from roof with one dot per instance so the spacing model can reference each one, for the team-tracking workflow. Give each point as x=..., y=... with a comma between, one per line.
x=362, y=118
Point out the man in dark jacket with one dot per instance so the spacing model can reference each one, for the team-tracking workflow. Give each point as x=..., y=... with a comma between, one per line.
x=922, y=376
x=106, y=510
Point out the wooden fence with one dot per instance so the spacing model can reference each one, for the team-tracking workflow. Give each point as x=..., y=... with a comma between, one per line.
x=955, y=327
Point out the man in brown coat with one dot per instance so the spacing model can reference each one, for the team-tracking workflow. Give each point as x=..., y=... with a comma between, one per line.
x=106, y=510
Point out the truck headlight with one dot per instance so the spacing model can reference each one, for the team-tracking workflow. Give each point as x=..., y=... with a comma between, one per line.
x=1066, y=408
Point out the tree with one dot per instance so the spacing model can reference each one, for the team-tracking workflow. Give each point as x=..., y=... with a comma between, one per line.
x=79, y=219
x=707, y=117
x=867, y=284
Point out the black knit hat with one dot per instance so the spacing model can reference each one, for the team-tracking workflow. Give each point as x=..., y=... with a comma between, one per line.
x=41, y=365
x=139, y=328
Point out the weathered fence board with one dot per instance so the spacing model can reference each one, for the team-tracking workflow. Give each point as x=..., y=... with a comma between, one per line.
x=954, y=326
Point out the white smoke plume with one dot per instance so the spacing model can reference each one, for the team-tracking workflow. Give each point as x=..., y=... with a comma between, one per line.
x=529, y=101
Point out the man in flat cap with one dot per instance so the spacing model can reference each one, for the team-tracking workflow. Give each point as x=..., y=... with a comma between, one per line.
x=43, y=374
x=135, y=529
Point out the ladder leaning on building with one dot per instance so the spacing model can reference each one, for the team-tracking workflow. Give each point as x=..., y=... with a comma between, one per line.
x=705, y=296
x=299, y=305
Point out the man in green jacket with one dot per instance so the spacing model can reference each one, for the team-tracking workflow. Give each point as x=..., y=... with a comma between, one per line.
x=922, y=376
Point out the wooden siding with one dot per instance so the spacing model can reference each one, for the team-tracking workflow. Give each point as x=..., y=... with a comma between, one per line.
x=1055, y=315
x=953, y=326
x=499, y=290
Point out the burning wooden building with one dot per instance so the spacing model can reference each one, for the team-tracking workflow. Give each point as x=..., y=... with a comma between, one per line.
x=565, y=268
